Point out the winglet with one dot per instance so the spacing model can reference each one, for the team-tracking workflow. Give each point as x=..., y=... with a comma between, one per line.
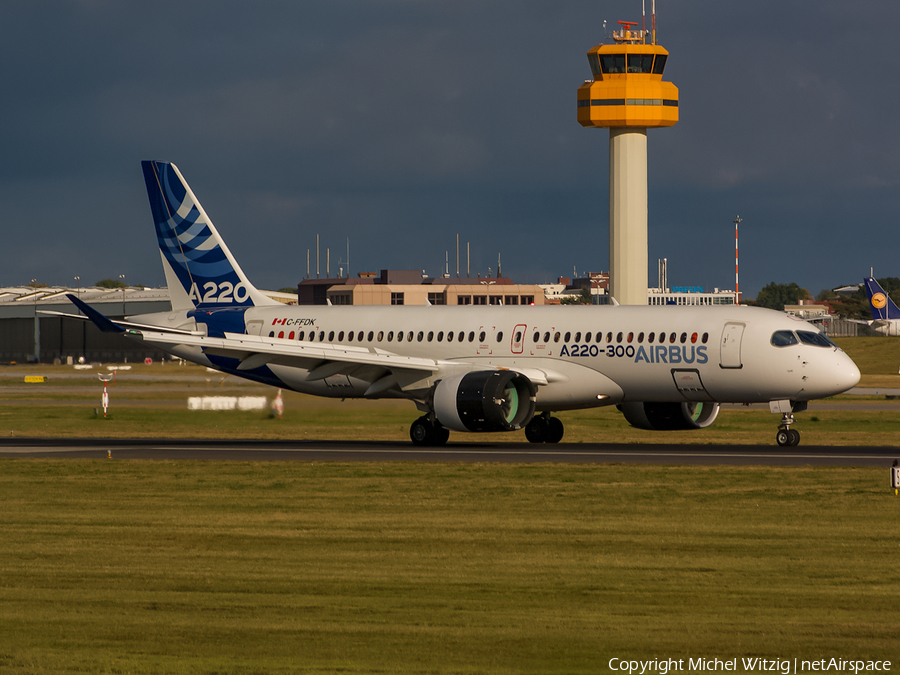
x=103, y=323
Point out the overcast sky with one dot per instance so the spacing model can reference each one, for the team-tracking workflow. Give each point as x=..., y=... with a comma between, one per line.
x=400, y=124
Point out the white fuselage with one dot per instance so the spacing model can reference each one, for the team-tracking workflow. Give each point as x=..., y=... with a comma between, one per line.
x=580, y=357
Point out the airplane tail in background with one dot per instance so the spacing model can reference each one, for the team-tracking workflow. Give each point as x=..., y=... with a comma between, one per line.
x=200, y=270
x=882, y=306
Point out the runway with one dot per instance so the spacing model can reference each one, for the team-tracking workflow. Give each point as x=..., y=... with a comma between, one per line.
x=339, y=451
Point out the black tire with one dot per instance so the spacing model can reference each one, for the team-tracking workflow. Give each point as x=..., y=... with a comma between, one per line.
x=555, y=430
x=537, y=430
x=794, y=437
x=441, y=435
x=783, y=438
x=421, y=432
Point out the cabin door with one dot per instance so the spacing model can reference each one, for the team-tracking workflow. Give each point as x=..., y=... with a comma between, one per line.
x=730, y=348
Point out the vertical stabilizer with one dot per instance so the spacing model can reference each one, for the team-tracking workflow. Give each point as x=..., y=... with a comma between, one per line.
x=200, y=270
x=879, y=302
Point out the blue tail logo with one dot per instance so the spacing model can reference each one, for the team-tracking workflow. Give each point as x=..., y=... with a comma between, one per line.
x=194, y=255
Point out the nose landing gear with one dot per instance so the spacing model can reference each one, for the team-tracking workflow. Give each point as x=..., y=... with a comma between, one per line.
x=787, y=437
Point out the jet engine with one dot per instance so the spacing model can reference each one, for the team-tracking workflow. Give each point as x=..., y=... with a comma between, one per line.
x=670, y=416
x=487, y=400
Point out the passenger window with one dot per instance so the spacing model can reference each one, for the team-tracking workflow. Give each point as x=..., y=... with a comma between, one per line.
x=409, y=336
x=291, y=335
x=440, y=336
x=536, y=336
x=331, y=336
x=568, y=336
x=783, y=338
x=341, y=336
x=683, y=338
x=705, y=337
x=693, y=338
x=547, y=336
x=281, y=333
x=300, y=335
x=578, y=336
x=450, y=336
x=430, y=335
x=461, y=336
x=662, y=338
x=609, y=338
x=380, y=335
x=420, y=336
x=481, y=337
x=390, y=336
x=619, y=337
x=271, y=333
x=650, y=337
x=500, y=336
x=640, y=338
x=399, y=336
x=321, y=336
x=587, y=336
x=630, y=337
x=672, y=337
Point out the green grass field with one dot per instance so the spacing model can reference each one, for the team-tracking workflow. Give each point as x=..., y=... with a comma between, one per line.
x=216, y=567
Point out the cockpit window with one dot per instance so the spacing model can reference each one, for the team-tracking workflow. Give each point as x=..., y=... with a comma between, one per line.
x=784, y=338
x=807, y=337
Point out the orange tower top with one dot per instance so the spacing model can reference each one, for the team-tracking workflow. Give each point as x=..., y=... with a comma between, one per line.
x=627, y=88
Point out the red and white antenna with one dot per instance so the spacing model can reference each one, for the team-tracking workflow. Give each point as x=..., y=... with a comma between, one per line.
x=737, y=288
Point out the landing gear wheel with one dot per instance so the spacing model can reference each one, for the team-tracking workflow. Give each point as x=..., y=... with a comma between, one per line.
x=787, y=438
x=537, y=430
x=441, y=435
x=421, y=432
x=555, y=430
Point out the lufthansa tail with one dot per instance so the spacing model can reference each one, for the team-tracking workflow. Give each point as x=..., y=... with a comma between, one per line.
x=200, y=270
x=883, y=308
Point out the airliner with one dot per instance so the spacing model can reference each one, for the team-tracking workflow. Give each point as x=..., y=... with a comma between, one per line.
x=885, y=314
x=473, y=368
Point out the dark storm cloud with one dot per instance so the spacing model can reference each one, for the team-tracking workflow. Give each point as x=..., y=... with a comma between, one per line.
x=400, y=124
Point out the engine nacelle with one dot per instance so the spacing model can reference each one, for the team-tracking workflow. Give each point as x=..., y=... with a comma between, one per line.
x=670, y=416
x=486, y=400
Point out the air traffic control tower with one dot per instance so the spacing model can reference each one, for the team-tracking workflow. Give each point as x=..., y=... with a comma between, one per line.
x=627, y=96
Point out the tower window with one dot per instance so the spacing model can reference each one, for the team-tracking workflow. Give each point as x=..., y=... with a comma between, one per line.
x=659, y=64
x=612, y=63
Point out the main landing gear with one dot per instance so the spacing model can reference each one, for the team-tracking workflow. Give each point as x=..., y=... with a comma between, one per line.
x=544, y=429
x=425, y=432
x=787, y=437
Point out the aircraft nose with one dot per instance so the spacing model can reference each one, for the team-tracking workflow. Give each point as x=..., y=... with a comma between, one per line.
x=846, y=374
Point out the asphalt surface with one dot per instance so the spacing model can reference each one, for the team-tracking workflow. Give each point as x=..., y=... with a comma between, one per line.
x=339, y=451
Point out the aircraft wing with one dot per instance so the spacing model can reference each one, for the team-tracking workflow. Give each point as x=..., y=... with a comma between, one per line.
x=385, y=370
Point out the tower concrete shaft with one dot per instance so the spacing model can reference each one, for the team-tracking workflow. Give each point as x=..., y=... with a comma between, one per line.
x=628, y=215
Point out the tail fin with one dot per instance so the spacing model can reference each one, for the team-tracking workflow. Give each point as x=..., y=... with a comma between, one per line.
x=879, y=302
x=200, y=270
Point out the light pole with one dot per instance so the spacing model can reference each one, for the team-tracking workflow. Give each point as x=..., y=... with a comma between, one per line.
x=122, y=277
x=78, y=281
